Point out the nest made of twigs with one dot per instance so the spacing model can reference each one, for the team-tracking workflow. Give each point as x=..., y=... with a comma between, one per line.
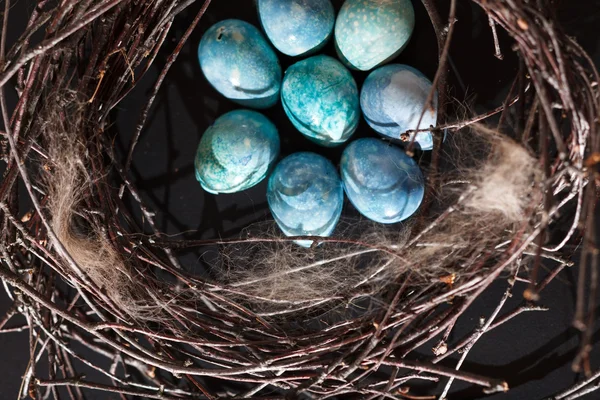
x=81, y=269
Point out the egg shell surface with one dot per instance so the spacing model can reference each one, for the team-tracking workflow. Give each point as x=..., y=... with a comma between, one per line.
x=239, y=63
x=236, y=152
x=381, y=181
x=305, y=196
x=297, y=27
x=392, y=100
x=369, y=33
x=320, y=97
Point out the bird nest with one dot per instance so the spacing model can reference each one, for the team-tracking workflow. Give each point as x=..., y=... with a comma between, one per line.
x=269, y=319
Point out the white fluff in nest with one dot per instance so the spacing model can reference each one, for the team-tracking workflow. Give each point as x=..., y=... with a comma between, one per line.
x=88, y=245
x=504, y=184
x=284, y=274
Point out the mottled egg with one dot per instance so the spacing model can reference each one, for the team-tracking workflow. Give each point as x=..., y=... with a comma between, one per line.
x=239, y=62
x=320, y=97
x=369, y=33
x=297, y=27
x=236, y=152
x=392, y=100
x=305, y=196
x=381, y=181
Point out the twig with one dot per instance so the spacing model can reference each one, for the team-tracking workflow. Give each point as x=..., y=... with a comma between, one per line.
x=481, y=331
x=497, y=52
x=109, y=389
x=576, y=390
x=493, y=385
x=50, y=43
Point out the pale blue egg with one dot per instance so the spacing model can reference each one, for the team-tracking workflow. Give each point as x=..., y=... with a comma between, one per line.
x=297, y=27
x=236, y=152
x=239, y=62
x=369, y=33
x=320, y=97
x=392, y=100
x=305, y=196
x=381, y=181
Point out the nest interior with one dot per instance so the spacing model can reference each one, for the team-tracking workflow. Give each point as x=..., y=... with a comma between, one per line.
x=100, y=250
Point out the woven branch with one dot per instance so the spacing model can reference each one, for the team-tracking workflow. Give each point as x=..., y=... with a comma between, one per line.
x=235, y=335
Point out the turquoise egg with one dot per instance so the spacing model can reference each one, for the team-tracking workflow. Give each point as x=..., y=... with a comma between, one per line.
x=392, y=100
x=239, y=63
x=381, y=181
x=369, y=33
x=305, y=196
x=320, y=97
x=236, y=152
x=297, y=27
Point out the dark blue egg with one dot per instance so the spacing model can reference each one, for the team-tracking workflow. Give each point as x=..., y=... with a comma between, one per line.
x=320, y=97
x=381, y=181
x=392, y=100
x=369, y=33
x=305, y=196
x=297, y=27
x=238, y=61
x=236, y=152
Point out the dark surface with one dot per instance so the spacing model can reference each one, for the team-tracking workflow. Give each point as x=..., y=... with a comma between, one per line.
x=533, y=352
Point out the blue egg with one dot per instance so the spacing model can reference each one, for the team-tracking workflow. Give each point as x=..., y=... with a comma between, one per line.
x=369, y=33
x=320, y=97
x=381, y=181
x=238, y=62
x=305, y=196
x=297, y=27
x=392, y=100
x=236, y=152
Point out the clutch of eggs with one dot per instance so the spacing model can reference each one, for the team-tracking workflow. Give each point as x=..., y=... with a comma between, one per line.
x=305, y=196
x=381, y=181
x=320, y=97
x=240, y=64
x=297, y=27
x=392, y=100
x=236, y=152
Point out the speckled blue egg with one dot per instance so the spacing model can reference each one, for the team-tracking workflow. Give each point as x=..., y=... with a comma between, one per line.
x=305, y=196
x=320, y=97
x=239, y=62
x=381, y=181
x=297, y=27
x=369, y=33
x=392, y=100
x=236, y=152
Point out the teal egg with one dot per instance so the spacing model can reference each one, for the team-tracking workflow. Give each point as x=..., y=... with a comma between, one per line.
x=236, y=152
x=392, y=100
x=305, y=196
x=381, y=181
x=369, y=33
x=239, y=63
x=297, y=27
x=320, y=97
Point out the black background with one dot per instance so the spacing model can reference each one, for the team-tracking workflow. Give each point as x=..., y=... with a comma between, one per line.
x=533, y=352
